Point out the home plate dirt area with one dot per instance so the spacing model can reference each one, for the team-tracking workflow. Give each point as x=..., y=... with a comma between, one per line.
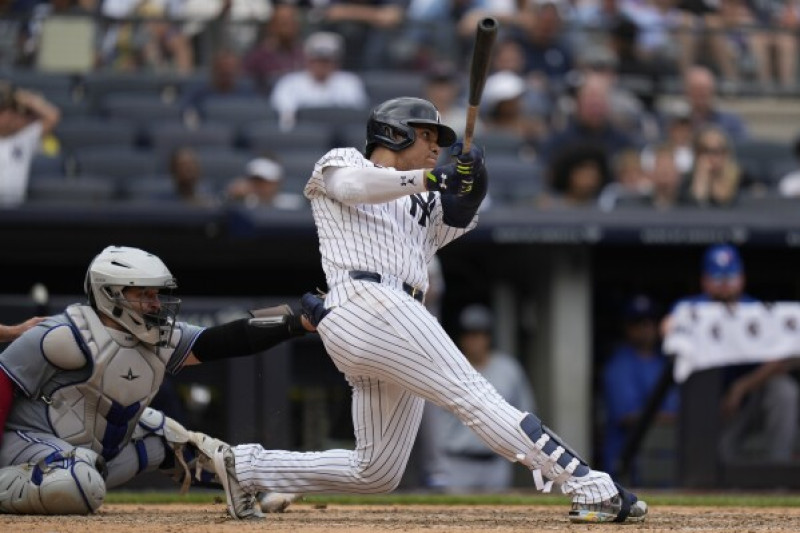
x=316, y=518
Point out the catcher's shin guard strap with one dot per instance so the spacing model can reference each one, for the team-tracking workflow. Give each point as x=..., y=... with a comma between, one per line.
x=550, y=456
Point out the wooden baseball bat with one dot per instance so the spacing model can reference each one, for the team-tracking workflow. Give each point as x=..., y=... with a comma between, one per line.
x=485, y=35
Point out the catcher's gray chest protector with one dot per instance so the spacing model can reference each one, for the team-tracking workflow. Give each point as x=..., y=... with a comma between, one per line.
x=101, y=412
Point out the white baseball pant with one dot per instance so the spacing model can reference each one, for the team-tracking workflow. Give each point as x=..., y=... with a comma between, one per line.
x=394, y=354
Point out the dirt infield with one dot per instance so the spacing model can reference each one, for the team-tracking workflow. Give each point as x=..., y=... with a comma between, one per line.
x=306, y=518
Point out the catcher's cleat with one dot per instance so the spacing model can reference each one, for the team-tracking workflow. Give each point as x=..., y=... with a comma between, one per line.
x=275, y=502
x=623, y=507
x=241, y=505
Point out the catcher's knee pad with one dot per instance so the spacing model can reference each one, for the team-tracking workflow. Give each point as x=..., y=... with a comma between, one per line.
x=549, y=456
x=61, y=483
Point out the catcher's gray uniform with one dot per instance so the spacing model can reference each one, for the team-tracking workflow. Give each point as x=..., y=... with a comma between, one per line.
x=376, y=238
x=86, y=387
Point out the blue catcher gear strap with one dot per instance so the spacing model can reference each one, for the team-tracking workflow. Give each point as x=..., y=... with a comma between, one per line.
x=550, y=457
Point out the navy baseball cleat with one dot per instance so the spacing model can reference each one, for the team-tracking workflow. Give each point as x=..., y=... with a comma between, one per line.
x=623, y=507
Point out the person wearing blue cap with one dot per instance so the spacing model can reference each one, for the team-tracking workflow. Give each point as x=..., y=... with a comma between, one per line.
x=629, y=378
x=762, y=395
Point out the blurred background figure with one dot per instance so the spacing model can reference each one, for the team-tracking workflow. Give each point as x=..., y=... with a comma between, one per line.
x=548, y=52
x=590, y=124
x=279, y=49
x=716, y=177
x=759, y=400
x=711, y=41
x=700, y=90
x=225, y=80
x=577, y=177
x=368, y=27
x=260, y=186
x=769, y=39
x=465, y=463
x=504, y=109
x=789, y=185
x=443, y=88
x=665, y=178
x=155, y=44
x=25, y=118
x=186, y=173
x=629, y=179
x=321, y=83
x=630, y=376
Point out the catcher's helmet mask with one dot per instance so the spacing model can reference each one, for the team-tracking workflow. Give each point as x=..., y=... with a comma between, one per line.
x=391, y=124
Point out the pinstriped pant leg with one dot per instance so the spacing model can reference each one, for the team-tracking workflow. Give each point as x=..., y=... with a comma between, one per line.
x=385, y=419
x=383, y=335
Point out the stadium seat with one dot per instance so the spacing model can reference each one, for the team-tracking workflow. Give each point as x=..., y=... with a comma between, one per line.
x=383, y=85
x=332, y=115
x=146, y=188
x=763, y=159
x=351, y=136
x=500, y=143
x=297, y=168
x=261, y=137
x=219, y=166
x=98, y=85
x=48, y=84
x=166, y=136
x=238, y=110
x=83, y=190
x=69, y=106
x=513, y=181
x=46, y=166
x=119, y=163
x=75, y=134
x=143, y=109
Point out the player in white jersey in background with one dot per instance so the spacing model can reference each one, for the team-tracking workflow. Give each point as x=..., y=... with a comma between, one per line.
x=380, y=220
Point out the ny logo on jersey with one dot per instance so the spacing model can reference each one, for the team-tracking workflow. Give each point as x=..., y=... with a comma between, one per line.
x=425, y=207
x=406, y=180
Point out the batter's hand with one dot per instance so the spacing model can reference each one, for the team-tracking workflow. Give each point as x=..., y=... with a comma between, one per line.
x=313, y=308
x=469, y=165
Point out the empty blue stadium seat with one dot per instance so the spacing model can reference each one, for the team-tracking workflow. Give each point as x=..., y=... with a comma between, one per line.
x=165, y=136
x=118, y=162
x=266, y=136
x=83, y=132
x=83, y=190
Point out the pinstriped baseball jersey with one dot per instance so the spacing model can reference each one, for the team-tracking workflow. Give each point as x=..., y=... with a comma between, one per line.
x=396, y=238
x=393, y=352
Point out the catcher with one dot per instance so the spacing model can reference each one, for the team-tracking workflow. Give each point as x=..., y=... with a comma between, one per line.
x=75, y=388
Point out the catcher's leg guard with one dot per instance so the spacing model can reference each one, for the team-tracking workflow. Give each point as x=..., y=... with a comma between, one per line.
x=182, y=449
x=62, y=483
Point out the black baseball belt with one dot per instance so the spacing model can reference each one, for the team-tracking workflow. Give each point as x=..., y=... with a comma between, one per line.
x=364, y=275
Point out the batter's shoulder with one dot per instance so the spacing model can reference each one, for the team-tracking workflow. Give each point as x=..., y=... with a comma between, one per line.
x=343, y=157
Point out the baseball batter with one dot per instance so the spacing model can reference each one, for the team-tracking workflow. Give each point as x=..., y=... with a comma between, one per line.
x=75, y=389
x=380, y=220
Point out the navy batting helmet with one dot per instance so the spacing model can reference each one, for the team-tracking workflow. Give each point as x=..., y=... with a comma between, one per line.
x=391, y=124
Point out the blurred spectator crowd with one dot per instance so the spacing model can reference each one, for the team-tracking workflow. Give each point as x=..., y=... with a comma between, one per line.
x=609, y=104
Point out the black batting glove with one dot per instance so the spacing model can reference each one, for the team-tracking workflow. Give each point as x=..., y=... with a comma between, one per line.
x=469, y=165
x=443, y=178
x=313, y=308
